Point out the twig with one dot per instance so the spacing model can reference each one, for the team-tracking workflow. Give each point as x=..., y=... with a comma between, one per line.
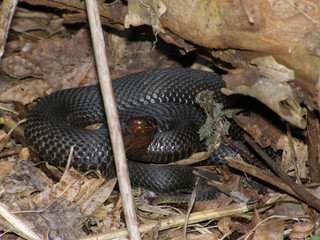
x=190, y=206
x=307, y=197
x=9, y=110
x=5, y=137
x=176, y=222
x=17, y=125
x=112, y=118
x=260, y=174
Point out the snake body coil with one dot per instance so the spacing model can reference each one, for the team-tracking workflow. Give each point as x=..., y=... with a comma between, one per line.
x=57, y=122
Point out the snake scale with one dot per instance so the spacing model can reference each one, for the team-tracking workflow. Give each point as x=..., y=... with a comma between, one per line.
x=168, y=95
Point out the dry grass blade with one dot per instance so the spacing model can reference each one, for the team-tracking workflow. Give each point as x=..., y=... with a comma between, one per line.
x=176, y=222
x=18, y=226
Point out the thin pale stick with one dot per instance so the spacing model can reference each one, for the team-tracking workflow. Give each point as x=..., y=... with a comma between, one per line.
x=112, y=118
x=175, y=222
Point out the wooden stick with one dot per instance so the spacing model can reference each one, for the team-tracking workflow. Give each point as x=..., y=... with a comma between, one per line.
x=261, y=174
x=112, y=118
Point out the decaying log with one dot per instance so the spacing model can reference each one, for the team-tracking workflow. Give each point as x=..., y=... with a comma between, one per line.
x=246, y=35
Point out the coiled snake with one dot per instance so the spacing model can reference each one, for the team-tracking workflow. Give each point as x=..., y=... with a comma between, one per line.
x=167, y=96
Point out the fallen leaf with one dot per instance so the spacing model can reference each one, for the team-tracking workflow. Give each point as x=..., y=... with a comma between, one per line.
x=302, y=230
x=19, y=67
x=271, y=229
x=26, y=92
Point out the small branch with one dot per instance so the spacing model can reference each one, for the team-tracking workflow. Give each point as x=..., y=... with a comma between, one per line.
x=260, y=174
x=307, y=197
x=112, y=118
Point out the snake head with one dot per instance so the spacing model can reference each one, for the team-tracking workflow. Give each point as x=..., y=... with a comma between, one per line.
x=142, y=125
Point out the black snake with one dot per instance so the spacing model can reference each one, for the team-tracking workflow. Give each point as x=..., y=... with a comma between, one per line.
x=167, y=95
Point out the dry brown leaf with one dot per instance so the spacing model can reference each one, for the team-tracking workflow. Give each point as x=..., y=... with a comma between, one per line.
x=5, y=168
x=25, y=20
x=82, y=73
x=63, y=62
x=225, y=225
x=69, y=185
x=155, y=212
x=112, y=221
x=58, y=57
x=98, y=197
x=26, y=92
x=256, y=219
x=4, y=138
x=302, y=230
x=88, y=187
x=289, y=209
x=272, y=229
x=24, y=154
x=301, y=151
x=19, y=67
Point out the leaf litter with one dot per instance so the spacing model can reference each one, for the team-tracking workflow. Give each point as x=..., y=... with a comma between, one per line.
x=42, y=57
